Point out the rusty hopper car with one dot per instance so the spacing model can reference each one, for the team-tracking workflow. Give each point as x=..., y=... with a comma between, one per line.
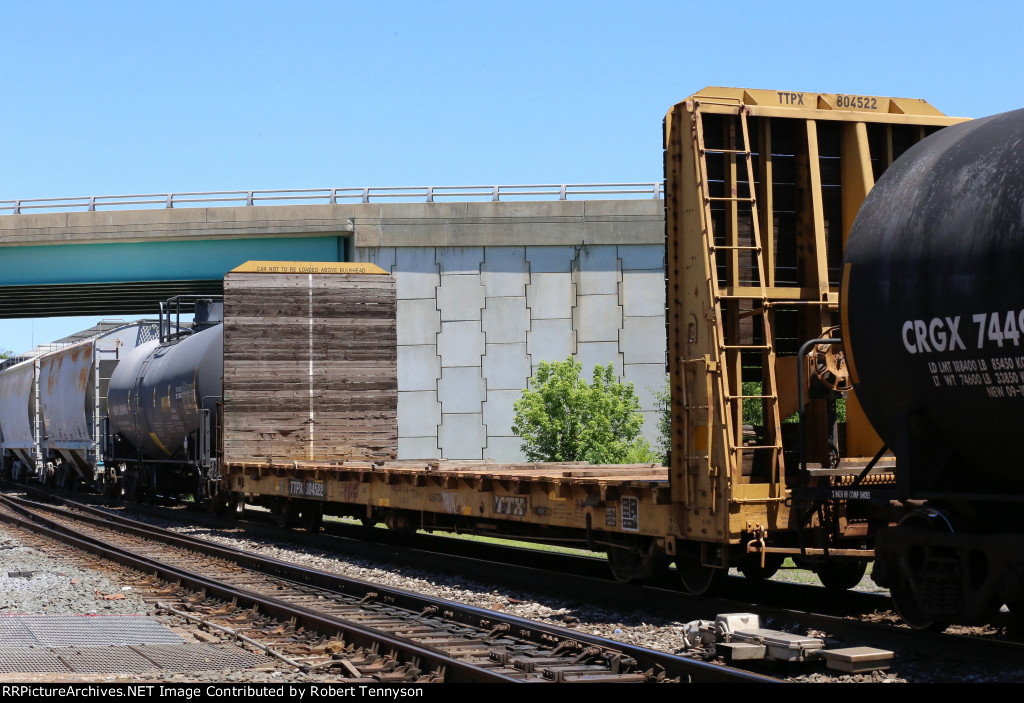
x=51, y=405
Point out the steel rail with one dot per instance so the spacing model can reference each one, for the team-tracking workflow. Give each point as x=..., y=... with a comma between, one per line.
x=455, y=671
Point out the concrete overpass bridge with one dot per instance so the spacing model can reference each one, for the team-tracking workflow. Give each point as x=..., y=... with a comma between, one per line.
x=491, y=280
x=122, y=254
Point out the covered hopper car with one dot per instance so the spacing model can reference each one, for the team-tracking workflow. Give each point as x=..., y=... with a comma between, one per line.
x=52, y=404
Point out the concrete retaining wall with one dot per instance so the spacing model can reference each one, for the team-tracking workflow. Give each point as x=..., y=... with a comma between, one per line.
x=475, y=321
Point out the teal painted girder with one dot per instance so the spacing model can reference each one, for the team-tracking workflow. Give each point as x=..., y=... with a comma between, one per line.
x=180, y=260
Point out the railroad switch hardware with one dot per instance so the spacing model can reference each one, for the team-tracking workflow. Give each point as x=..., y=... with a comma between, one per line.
x=780, y=646
x=739, y=637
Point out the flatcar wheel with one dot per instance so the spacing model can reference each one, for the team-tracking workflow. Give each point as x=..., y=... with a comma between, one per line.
x=698, y=579
x=639, y=562
x=626, y=564
x=753, y=571
x=401, y=522
x=237, y=505
x=839, y=576
x=284, y=513
x=312, y=516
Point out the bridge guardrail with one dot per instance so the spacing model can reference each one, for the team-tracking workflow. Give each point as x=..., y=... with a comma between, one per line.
x=251, y=198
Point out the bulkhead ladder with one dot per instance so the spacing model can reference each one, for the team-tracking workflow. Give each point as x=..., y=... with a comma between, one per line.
x=739, y=304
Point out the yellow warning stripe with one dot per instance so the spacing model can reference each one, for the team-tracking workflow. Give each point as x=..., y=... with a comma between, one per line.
x=318, y=267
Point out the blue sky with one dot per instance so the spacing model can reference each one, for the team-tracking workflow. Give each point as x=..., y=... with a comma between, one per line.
x=104, y=98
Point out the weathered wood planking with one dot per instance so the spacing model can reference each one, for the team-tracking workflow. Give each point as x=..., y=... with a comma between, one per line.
x=310, y=367
x=569, y=473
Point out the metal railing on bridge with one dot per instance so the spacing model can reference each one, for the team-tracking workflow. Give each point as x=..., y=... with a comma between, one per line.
x=332, y=196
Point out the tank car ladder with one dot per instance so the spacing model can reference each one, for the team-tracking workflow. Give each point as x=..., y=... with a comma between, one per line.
x=729, y=347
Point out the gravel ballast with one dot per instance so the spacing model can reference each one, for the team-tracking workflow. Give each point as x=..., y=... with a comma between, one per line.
x=32, y=582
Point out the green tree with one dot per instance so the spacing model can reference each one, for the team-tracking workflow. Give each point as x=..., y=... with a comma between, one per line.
x=664, y=398
x=563, y=418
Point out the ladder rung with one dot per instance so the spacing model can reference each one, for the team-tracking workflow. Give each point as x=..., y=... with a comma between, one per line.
x=734, y=247
x=743, y=397
x=756, y=446
x=736, y=199
x=711, y=150
x=746, y=346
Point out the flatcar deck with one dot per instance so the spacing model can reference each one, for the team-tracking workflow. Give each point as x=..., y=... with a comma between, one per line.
x=567, y=472
x=478, y=494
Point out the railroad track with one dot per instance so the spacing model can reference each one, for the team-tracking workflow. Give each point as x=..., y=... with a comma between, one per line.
x=515, y=566
x=920, y=656
x=573, y=576
x=360, y=630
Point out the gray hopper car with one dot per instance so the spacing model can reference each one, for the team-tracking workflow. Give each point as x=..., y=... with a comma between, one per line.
x=52, y=403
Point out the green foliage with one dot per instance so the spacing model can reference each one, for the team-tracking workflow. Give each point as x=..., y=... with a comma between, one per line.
x=563, y=418
x=6, y=354
x=640, y=452
x=753, y=408
x=664, y=398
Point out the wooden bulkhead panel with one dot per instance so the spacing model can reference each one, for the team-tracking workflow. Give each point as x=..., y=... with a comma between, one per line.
x=310, y=363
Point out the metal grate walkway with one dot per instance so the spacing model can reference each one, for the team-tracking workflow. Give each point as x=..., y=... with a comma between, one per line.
x=107, y=644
